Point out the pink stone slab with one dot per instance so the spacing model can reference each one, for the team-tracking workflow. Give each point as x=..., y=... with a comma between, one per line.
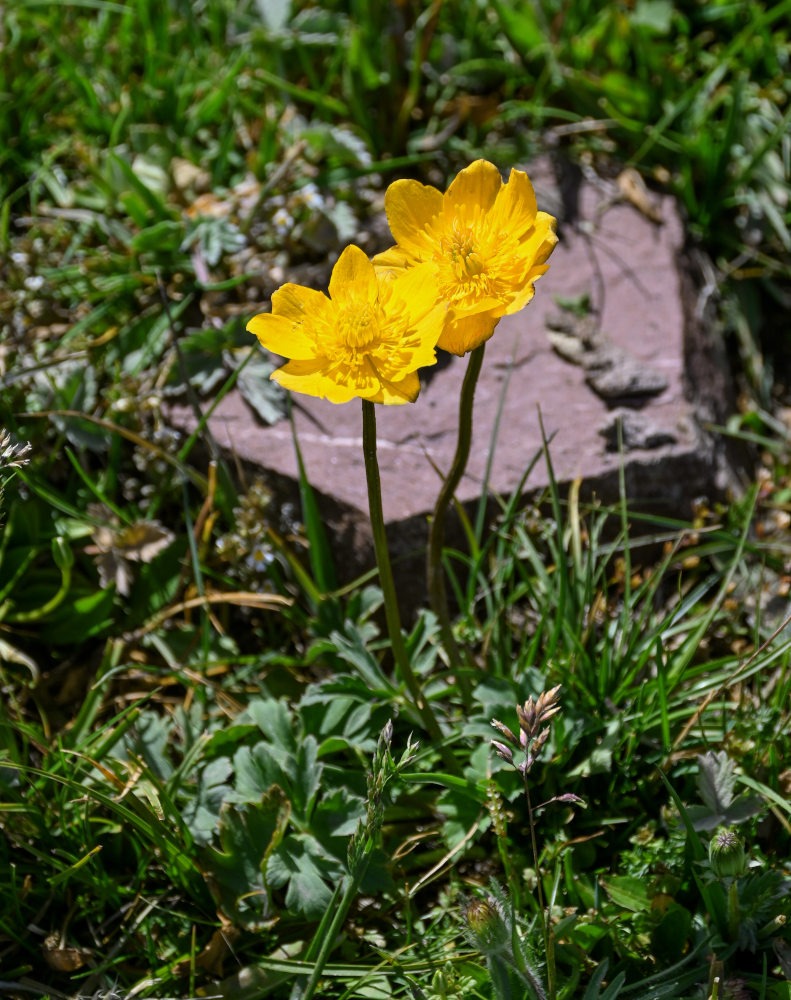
x=636, y=263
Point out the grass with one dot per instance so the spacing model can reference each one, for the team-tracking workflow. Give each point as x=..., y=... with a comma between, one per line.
x=211, y=783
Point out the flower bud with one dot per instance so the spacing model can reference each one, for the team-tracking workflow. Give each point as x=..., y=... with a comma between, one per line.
x=503, y=751
x=486, y=928
x=726, y=854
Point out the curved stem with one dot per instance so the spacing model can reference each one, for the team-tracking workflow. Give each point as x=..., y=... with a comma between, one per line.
x=400, y=655
x=437, y=595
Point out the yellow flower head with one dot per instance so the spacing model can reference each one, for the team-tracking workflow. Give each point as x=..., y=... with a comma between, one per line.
x=367, y=339
x=485, y=240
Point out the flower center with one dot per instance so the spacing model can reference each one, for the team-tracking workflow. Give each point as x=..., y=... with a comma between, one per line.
x=357, y=327
x=460, y=249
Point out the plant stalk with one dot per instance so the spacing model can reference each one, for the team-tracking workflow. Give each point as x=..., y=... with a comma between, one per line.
x=543, y=915
x=349, y=891
x=437, y=594
x=400, y=656
x=733, y=910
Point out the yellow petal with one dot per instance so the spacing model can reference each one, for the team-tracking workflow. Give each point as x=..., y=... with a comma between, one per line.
x=308, y=377
x=390, y=262
x=537, y=247
x=472, y=306
x=411, y=207
x=550, y=236
x=462, y=335
x=404, y=391
x=353, y=278
x=300, y=304
x=416, y=288
x=522, y=297
x=336, y=393
x=514, y=210
x=520, y=300
x=282, y=336
x=363, y=378
x=473, y=192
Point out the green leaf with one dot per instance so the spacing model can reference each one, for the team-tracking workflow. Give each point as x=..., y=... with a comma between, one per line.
x=201, y=813
x=148, y=739
x=307, y=776
x=356, y=655
x=300, y=863
x=273, y=718
x=256, y=770
x=81, y=616
x=655, y=15
x=266, y=397
x=140, y=199
x=671, y=935
x=162, y=237
x=248, y=835
x=337, y=815
x=715, y=780
x=225, y=740
x=599, y=761
x=628, y=892
x=520, y=25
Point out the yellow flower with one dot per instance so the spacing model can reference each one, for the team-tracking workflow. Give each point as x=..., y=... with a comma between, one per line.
x=486, y=241
x=367, y=339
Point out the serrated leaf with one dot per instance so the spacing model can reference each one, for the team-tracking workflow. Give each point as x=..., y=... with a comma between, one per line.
x=226, y=739
x=202, y=811
x=715, y=780
x=307, y=774
x=256, y=770
x=259, y=391
x=273, y=718
x=149, y=739
x=352, y=650
x=337, y=814
x=300, y=863
x=347, y=142
x=248, y=835
x=344, y=220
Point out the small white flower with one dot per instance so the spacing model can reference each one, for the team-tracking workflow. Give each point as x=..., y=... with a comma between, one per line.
x=259, y=559
x=19, y=258
x=310, y=197
x=282, y=221
x=34, y=283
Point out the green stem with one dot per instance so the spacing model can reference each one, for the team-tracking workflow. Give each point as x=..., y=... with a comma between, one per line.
x=437, y=595
x=349, y=890
x=404, y=667
x=733, y=910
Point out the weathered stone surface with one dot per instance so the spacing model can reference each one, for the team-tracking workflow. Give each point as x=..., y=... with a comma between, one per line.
x=633, y=269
